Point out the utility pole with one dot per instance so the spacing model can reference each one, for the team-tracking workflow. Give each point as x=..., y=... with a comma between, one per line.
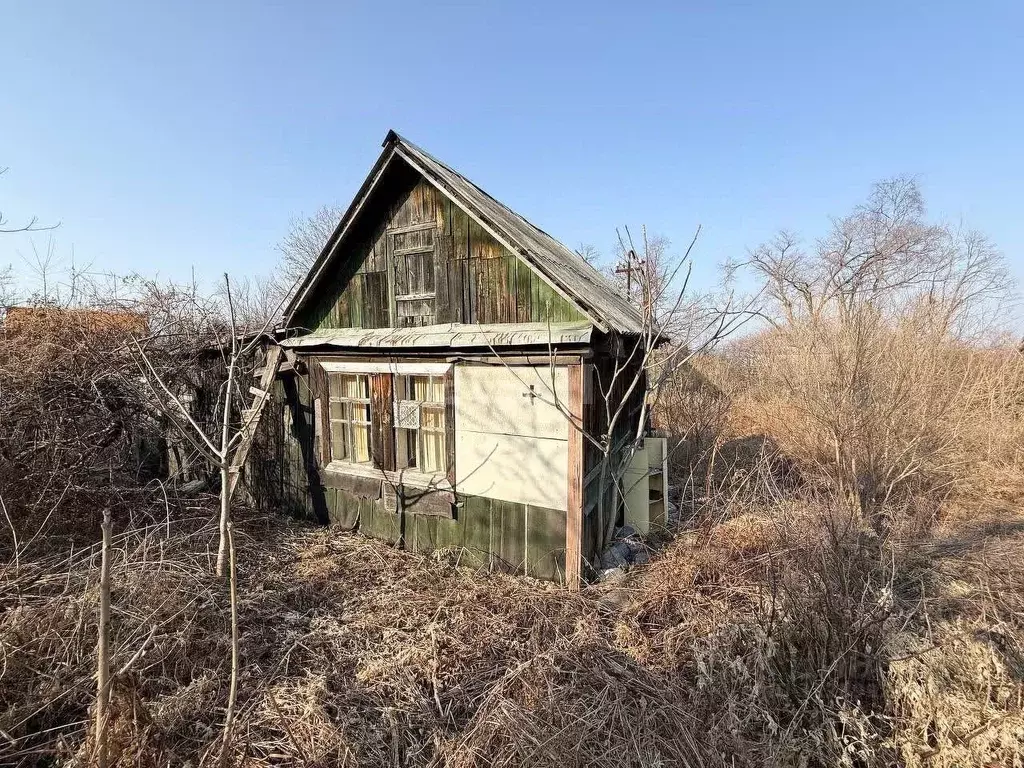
x=627, y=270
x=632, y=263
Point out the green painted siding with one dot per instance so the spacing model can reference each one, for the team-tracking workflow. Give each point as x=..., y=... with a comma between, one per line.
x=489, y=533
x=517, y=538
x=416, y=242
x=283, y=474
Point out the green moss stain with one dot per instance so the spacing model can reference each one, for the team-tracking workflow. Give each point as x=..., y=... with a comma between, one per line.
x=498, y=287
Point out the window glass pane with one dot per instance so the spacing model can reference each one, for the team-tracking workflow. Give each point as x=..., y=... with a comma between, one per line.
x=432, y=453
x=338, y=448
x=427, y=389
x=436, y=389
x=350, y=386
x=419, y=387
x=405, y=448
x=432, y=418
x=350, y=417
x=360, y=443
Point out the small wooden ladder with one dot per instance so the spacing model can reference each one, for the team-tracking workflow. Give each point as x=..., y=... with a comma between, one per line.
x=251, y=415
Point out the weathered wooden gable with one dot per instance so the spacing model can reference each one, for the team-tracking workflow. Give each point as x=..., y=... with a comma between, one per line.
x=415, y=258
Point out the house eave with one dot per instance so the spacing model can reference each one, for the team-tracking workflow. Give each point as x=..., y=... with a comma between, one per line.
x=447, y=336
x=313, y=275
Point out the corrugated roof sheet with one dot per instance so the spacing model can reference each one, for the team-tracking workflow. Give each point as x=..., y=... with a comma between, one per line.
x=569, y=272
x=453, y=335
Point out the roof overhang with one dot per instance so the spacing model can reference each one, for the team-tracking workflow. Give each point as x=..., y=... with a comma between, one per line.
x=563, y=270
x=445, y=336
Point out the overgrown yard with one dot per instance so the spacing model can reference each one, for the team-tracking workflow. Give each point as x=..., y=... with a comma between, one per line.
x=787, y=636
x=843, y=587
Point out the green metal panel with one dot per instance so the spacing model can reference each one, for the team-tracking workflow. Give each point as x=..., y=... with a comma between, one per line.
x=378, y=522
x=475, y=516
x=343, y=508
x=509, y=522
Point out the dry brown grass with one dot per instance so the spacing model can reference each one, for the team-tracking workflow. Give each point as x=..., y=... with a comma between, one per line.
x=850, y=588
x=845, y=590
x=783, y=634
x=354, y=653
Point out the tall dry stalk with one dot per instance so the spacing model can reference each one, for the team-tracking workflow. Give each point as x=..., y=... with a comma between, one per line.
x=103, y=648
x=229, y=719
x=224, y=455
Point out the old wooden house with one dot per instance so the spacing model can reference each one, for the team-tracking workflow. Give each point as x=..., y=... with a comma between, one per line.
x=445, y=362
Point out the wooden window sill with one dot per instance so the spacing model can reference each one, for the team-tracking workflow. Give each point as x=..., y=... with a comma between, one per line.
x=407, y=477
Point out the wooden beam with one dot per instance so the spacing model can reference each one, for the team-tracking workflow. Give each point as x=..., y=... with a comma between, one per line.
x=574, y=468
x=251, y=416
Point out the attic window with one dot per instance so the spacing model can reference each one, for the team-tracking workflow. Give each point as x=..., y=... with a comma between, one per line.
x=414, y=277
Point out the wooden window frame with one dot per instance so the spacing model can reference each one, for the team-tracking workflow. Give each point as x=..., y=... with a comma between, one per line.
x=405, y=391
x=381, y=419
x=348, y=420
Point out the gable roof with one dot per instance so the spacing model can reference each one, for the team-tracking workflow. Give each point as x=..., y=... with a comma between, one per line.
x=566, y=271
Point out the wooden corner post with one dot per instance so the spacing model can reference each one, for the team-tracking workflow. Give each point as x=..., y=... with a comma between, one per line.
x=574, y=500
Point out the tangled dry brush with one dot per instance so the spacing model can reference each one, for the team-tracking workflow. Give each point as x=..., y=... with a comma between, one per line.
x=842, y=589
x=782, y=635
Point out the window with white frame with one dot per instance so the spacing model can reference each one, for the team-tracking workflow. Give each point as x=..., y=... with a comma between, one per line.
x=420, y=423
x=350, y=417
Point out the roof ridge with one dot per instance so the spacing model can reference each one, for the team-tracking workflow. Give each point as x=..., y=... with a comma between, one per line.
x=627, y=317
x=566, y=270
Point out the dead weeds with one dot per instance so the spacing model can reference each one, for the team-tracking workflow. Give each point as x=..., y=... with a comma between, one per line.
x=772, y=638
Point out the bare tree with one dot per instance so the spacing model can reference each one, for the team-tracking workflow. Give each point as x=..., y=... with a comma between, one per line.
x=31, y=226
x=306, y=238
x=676, y=328
x=6, y=286
x=257, y=300
x=238, y=351
x=884, y=255
x=633, y=385
x=226, y=453
x=866, y=341
x=589, y=253
x=645, y=271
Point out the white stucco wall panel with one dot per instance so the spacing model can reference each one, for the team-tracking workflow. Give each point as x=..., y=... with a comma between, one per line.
x=508, y=445
x=496, y=400
x=525, y=470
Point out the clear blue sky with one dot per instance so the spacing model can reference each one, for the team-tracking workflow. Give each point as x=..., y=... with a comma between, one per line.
x=164, y=138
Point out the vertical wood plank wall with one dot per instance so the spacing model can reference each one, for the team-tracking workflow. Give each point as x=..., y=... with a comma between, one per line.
x=574, y=502
x=285, y=474
x=416, y=243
